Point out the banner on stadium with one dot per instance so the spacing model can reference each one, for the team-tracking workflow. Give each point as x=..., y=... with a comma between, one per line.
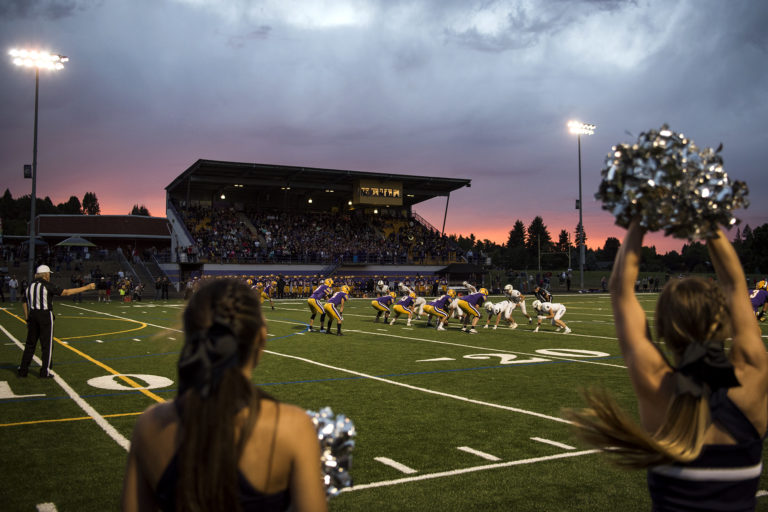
x=378, y=192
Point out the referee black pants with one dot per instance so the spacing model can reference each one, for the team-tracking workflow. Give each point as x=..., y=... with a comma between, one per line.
x=39, y=326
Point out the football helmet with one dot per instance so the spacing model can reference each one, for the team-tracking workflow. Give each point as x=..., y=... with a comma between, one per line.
x=451, y=293
x=412, y=295
x=328, y=282
x=393, y=295
x=345, y=289
x=249, y=282
x=761, y=285
x=489, y=306
x=536, y=304
x=508, y=288
x=380, y=283
x=483, y=291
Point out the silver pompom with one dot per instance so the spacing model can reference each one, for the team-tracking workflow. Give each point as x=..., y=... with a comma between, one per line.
x=336, y=436
x=670, y=185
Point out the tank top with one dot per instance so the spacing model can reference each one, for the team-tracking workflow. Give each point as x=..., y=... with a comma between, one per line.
x=251, y=499
x=724, y=477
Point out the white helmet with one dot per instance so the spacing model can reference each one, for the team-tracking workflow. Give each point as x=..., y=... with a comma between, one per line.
x=381, y=283
x=536, y=304
x=489, y=306
x=508, y=288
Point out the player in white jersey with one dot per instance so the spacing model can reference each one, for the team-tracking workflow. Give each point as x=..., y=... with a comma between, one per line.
x=518, y=300
x=553, y=311
x=499, y=309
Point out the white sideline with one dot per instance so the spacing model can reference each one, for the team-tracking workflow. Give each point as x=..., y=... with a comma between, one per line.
x=553, y=443
x=85, y=406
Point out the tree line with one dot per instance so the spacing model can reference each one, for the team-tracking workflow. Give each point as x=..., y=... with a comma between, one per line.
x=533, y=247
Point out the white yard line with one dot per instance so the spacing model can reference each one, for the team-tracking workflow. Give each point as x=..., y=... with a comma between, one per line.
x=85, y=406
x=394, y=464
x=553, y=443
x=455, y=472
x=482, y=455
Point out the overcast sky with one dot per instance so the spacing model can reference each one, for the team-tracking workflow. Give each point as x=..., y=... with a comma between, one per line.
x=455, y=88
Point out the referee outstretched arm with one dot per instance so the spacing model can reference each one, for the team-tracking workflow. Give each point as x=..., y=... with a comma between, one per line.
x=38, y=310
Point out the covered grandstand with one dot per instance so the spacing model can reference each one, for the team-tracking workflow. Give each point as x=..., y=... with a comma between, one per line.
x=230, y=218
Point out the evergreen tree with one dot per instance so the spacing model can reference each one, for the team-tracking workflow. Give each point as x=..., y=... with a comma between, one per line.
x=139, y=210
x=91, y=204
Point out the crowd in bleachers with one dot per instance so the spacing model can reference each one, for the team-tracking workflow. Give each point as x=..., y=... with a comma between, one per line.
x=229, y=236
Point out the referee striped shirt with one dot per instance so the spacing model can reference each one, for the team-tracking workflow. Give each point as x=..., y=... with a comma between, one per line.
x=40, y=295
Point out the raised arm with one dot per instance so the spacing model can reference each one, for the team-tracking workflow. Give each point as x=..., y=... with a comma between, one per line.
x=748, y=349
x=73, y=291
x=647, y=367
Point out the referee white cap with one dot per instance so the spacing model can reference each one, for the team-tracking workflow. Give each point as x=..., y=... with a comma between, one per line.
x=43, y=269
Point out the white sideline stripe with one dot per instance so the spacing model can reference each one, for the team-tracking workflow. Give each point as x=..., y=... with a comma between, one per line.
x=442, y=474
x=85, y=406
x=423, y=390
x=394, y=464
x=486, y=456
x=490, y=349
x=46, y=507
x=553, y=443
x=760, y=494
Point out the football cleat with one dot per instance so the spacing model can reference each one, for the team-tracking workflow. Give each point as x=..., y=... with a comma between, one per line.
x=472, y=331
x=567, y=330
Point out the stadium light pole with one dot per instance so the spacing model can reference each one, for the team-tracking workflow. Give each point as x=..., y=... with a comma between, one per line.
x=578, y=128
x=38, y=60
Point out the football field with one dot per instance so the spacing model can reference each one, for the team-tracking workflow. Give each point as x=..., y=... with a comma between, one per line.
x=445, y=420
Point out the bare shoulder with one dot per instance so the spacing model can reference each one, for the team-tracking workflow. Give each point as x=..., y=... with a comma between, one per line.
x=153, y=424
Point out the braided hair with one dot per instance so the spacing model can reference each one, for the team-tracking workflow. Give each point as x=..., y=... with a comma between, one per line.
x=223, y=327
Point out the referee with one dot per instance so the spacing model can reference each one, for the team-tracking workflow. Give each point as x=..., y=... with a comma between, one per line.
x=38, y=308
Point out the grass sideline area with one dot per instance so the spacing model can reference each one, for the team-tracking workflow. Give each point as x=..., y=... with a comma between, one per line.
x=445, y=420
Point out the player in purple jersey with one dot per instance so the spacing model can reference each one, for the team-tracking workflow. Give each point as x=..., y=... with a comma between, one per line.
x=404, y=307
x=470, y=305
x=334, y=308
x=382, y=305
x=314, y=304
x=439, y=308
x=759, y=299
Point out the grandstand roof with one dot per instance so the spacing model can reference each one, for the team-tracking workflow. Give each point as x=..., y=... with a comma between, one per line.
x=213, y=177
x=103, y=226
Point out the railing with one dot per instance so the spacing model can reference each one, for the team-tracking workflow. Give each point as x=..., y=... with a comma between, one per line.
x=424, y=222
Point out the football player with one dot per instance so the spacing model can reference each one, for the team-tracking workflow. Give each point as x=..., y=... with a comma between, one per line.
x=314, y=304
x=542, y=294
x=335, y=307
x=404, y=307
x=518, y=301
x=470, y=305
x=759, y=299
x=550, y=311
x=439, y=308
x=382, y=305
x=498, y=309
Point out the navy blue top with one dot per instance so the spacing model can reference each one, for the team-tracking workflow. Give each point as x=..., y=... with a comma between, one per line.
x=724, y=477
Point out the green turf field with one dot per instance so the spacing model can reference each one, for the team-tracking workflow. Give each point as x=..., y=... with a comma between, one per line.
x=445, y=420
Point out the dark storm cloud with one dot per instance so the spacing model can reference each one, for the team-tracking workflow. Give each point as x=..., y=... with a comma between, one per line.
x=47, y=9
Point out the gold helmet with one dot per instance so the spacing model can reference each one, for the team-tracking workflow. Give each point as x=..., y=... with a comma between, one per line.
x=345, y=289
x=274, y=283
x=393, y=295
x=483, y=291
x=412, y=295
x=451, y=293
x=249, y=282
x=328, y=282
x=761, y=285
